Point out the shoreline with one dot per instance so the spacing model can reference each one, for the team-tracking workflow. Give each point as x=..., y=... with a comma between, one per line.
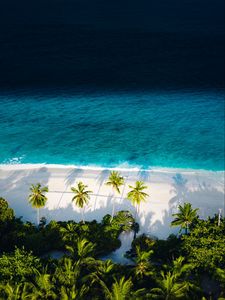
x=167, y=188
x=101, y=168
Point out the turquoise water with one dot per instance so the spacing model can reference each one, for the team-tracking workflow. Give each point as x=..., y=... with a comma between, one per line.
x=145, y=129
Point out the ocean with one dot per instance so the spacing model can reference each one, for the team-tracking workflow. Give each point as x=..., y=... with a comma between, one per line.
x=145, y=129
x=111, y=83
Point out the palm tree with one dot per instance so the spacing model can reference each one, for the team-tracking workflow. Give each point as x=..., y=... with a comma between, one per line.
x=120, y=289
x=169, y=288
x=69, y=233
x=37, y=197
x=103, y=268
x=180, y=268
x=185, y=217
x=136, y=195
x=124, y=220
x=73, y=293
x=142, y=267
x=220, y=275
x=67, y=272
x=84, y=248
x=115, y=180
x=81, y=197
x=43, y=287
x=16, y=291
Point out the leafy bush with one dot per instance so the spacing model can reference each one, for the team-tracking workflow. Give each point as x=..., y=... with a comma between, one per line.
x=6, y=213
x=144, y=242
x=205, y=244
x=167, y=250
x=18, y=266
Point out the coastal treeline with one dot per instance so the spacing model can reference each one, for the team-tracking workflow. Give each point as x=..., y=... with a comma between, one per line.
x=190, y=265
x=136, y=195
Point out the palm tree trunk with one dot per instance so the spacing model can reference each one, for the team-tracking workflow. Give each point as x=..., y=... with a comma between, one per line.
x=113, y=210
x=186, y=229
x=136, y=211
x=83, y=215
x=38, y=218
x=113, y=205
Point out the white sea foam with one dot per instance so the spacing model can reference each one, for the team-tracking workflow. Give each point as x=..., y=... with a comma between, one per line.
x=14, y=160
x=14, y=163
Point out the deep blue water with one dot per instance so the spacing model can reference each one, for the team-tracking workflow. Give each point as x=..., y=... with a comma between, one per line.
x=137, y=83
x=170, y=129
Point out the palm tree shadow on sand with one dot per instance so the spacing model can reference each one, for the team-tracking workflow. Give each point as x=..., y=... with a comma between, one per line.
x=72, y=176
x=71, y=212
x=145, y=221
x=102, y=178
x=179, y=188
x=144, y=175
x=70, y=180
x=15, y=188
x=201, y=195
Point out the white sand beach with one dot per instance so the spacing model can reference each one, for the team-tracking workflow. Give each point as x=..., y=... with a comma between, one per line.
x=167, y=189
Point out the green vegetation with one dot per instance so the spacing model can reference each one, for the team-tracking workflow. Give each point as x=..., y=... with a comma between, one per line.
x=81, y=196
x=190, y=266
x=37, y=197
x=185, y=217
x=136, y=195
x=205, y=244
x=115, y=180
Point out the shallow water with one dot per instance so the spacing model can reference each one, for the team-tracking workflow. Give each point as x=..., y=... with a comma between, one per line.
x=117, y=256
x=145, y=129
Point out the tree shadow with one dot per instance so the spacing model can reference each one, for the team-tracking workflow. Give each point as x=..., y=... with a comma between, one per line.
x=201, y=195
x=15, y=188
x=144, y=175
x=103, y=176
x=73, y=175
x=144, y=222
x=208, y=201
x=162, y=229
x=70, y=180
x=180, y=189
x=179, y=179
x=71, y=212
x=105, y=205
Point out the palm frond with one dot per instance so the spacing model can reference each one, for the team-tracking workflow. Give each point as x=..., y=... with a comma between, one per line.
x=136, y=195
x=115, y=180
x=82, y=195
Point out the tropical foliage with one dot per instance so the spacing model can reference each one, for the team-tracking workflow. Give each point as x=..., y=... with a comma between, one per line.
x=6, y=213
x=37, y=197
x=185, y=217
x=115, y=180
x=176, y=268
x=142, y=266
x=169, y=288
x=205, y=244
x=81, y=197
x=137, y=194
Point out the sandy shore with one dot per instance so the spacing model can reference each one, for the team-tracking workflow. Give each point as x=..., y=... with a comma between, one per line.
x=167, y=189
